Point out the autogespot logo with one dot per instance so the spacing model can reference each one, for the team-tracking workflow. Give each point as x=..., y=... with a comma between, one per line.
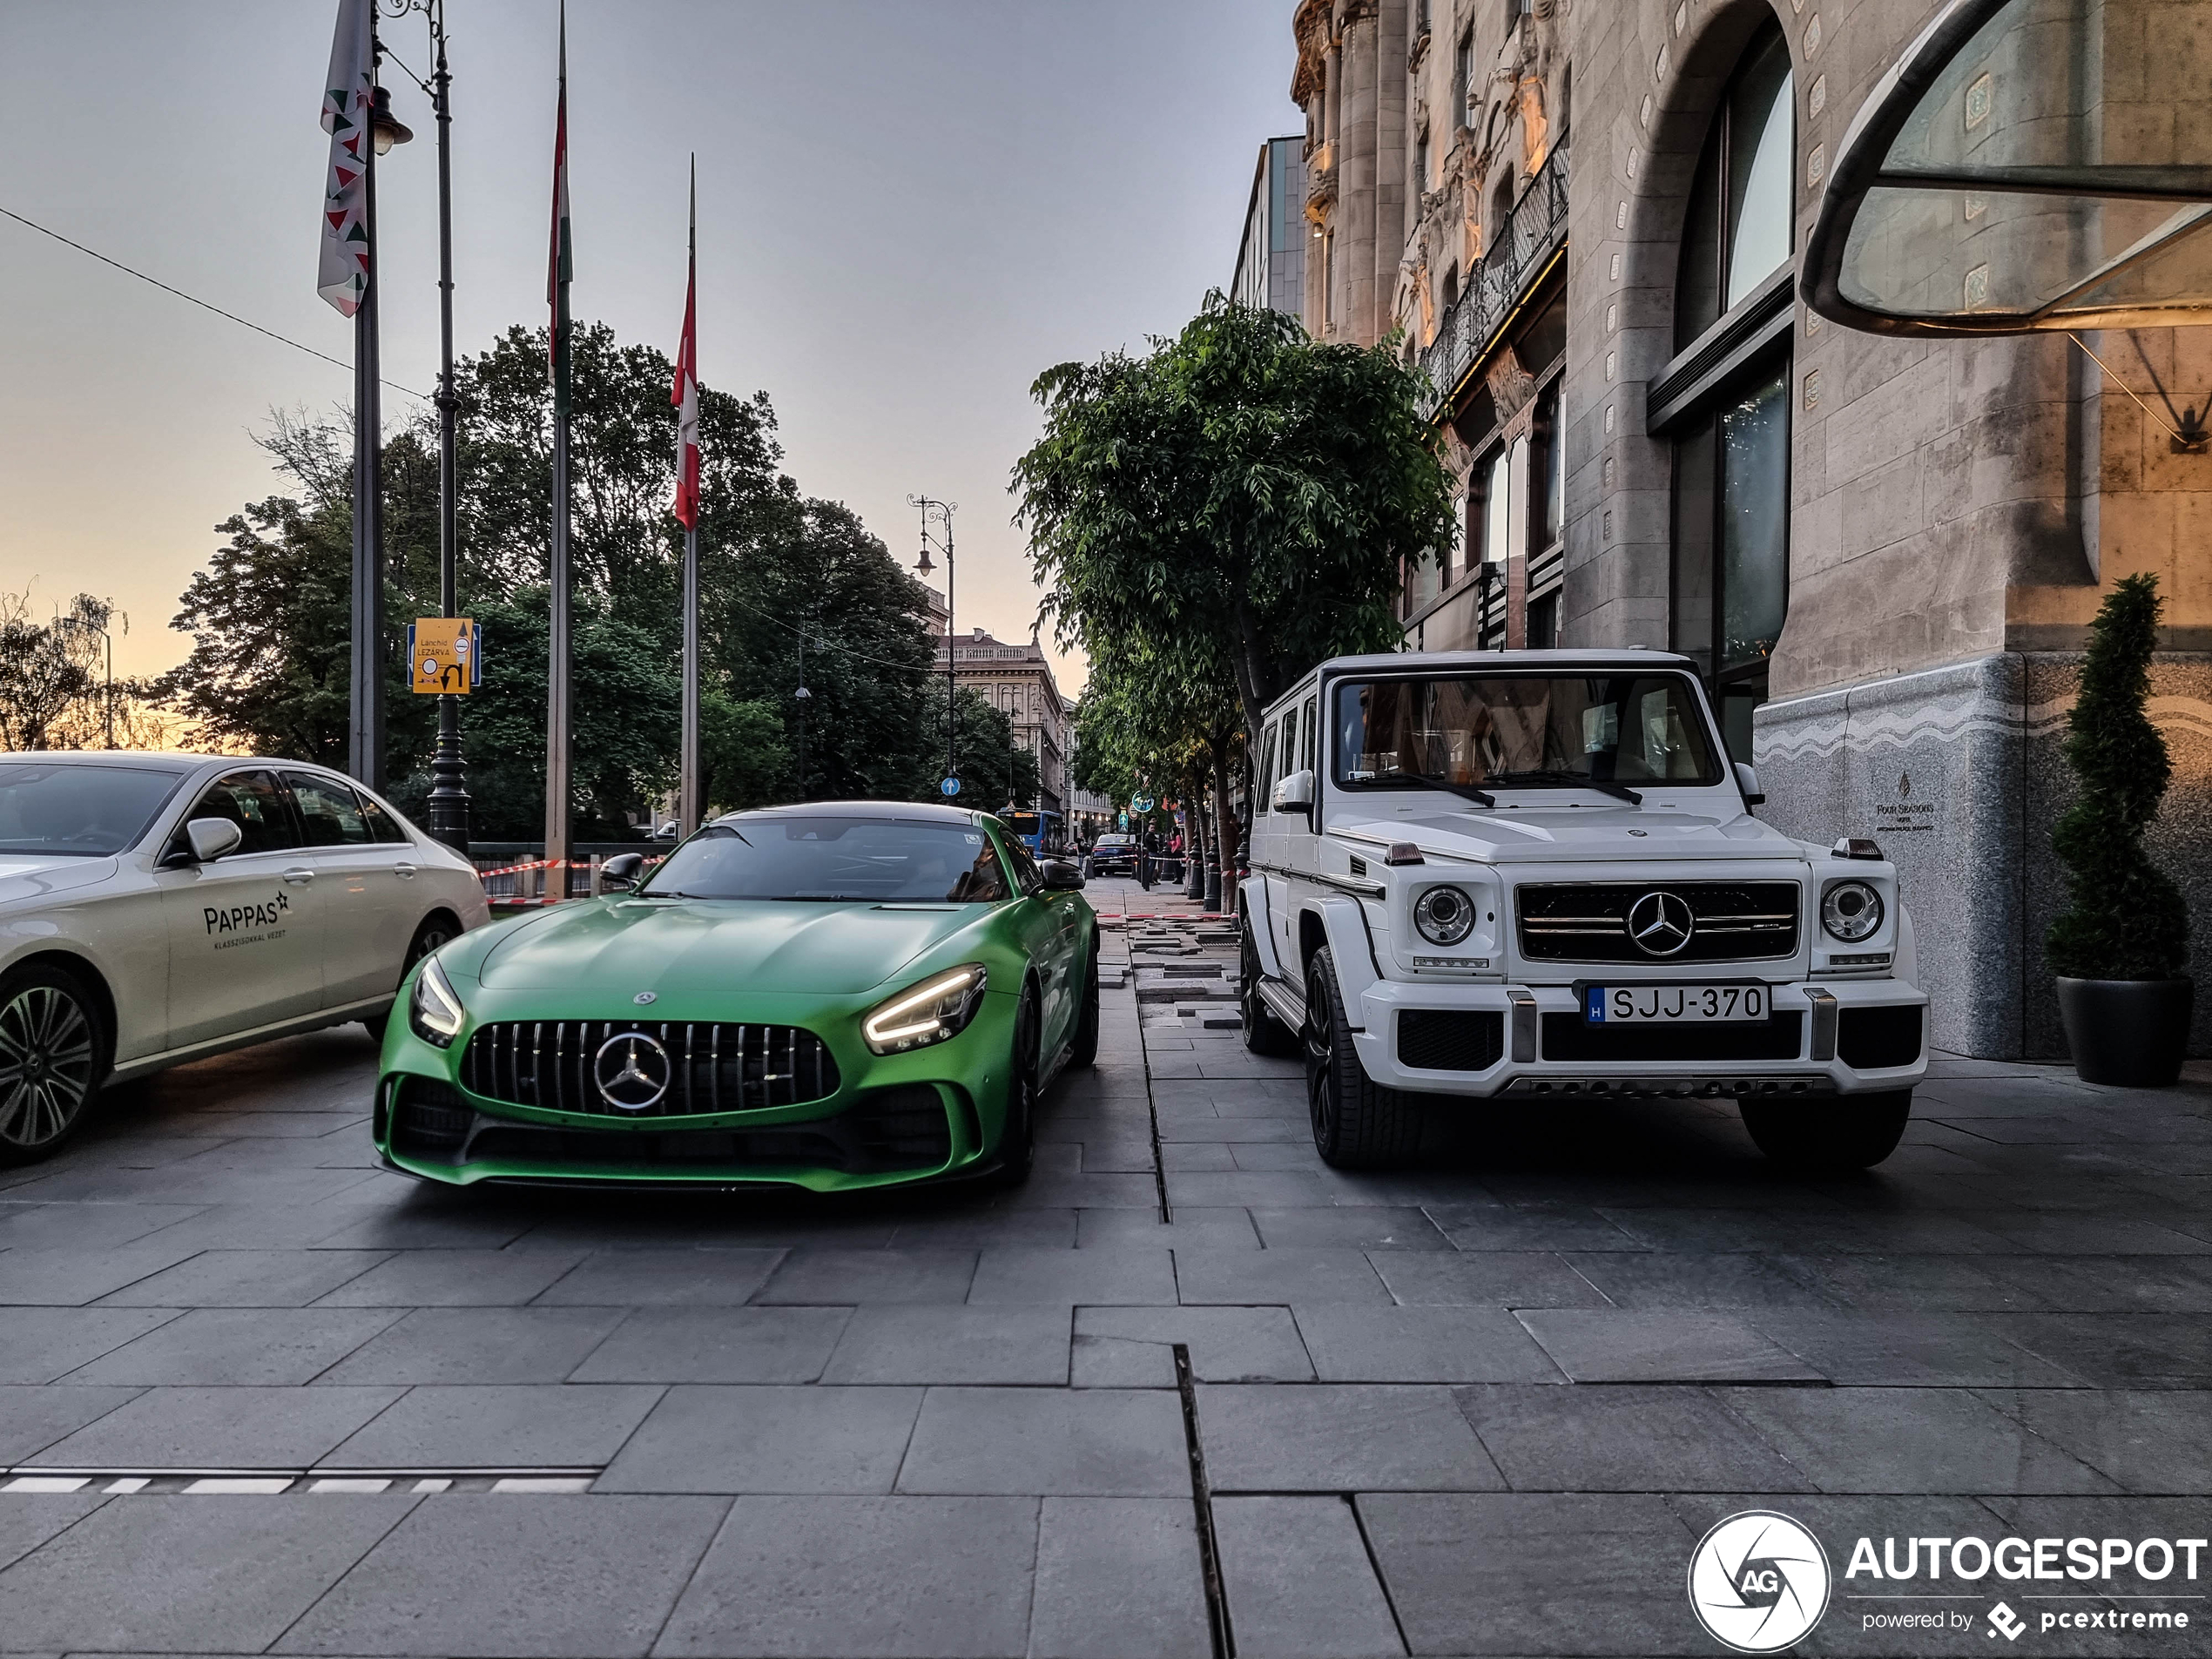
x=1759, y=1582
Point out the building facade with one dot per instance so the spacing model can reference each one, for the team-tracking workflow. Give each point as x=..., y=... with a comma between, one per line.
x=1271, y=259
x=1016, y=679
x=1584, y=218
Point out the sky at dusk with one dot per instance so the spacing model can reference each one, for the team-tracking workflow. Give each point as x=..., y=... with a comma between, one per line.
x=907, y=208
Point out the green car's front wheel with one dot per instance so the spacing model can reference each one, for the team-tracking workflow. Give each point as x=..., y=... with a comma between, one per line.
x=1018, y=1138
x=1082, y=1048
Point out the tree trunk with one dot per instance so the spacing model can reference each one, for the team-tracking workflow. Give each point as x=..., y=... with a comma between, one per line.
x=1226, y=816
x=1259, y=680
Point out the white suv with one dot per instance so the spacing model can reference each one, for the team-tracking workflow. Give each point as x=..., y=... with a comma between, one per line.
x=1534, y=874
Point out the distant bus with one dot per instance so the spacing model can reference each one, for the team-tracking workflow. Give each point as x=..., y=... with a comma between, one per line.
x=1039, y=831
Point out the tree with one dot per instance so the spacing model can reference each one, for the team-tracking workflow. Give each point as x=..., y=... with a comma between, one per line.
x=270, y=615
x=983, y=752
x=45, y=669
x=1241, y=497
x=2126, y=919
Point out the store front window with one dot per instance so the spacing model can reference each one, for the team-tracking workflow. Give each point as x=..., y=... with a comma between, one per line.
x=1730, y=578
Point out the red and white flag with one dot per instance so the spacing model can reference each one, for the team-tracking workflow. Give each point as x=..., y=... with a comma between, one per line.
x=686, y=396
x=348, y=92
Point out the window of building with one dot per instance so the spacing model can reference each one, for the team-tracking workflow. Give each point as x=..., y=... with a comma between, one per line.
x=1463, y=80
x=1730, y=575
x=1420, y=162
x=1739, y=230
x=1543, y=622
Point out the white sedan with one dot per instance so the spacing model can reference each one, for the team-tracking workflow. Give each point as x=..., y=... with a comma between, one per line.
x=156, y=908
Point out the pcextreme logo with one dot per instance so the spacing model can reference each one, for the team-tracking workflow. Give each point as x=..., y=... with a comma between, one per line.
x=1759, y=1582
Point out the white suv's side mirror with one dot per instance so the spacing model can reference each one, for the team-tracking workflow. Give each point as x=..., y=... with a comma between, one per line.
x=1747, y=780
x=1295, y=793
x=211, y=837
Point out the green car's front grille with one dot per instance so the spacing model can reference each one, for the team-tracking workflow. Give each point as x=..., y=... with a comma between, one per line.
x=886, y=1130
x=712, y=1068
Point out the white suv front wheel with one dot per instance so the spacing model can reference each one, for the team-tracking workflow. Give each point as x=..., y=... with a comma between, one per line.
x=1833, y=1136
x=1358, y=1125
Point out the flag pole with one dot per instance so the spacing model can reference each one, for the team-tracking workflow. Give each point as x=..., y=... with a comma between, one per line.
x=557, y=640
x=691, y=792
x=365, y=735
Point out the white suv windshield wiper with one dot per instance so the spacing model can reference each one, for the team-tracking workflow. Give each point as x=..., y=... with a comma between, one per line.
x=1410, y=780
x=1553, y=778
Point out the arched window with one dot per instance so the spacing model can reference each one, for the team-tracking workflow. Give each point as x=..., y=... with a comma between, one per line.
x=1739, y=230
x=1730, y=586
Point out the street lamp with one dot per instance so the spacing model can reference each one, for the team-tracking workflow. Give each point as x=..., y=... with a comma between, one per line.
x=447, y=802
x=922, y=566
x=81, y=623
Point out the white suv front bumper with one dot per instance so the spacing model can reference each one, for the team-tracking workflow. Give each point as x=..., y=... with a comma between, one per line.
x=1522, y=1068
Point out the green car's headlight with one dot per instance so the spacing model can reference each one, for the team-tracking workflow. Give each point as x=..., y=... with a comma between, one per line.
x=940, y=1007
x=433, y=1010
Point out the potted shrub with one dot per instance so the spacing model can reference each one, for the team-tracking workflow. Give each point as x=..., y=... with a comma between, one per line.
x=2119, y=946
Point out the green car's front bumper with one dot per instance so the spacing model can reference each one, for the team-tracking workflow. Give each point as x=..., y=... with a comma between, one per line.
x=932, y=1113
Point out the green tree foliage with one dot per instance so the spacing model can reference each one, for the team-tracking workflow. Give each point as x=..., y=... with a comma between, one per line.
x=53, y=679
x=983, y=752
x=2127, y=919
x=270, y=615
x=1240, y=498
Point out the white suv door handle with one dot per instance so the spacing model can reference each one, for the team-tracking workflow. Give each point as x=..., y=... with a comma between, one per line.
x=406, y=871
x=299, y=877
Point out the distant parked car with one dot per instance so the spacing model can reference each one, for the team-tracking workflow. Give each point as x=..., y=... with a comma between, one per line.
x=1114, y=855
x=156, y=908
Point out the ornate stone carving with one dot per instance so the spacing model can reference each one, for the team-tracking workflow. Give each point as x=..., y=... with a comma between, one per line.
x=1511, y=385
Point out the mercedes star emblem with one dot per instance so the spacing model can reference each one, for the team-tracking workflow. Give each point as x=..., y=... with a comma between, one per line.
x=1661, y=923
x=632, y=1071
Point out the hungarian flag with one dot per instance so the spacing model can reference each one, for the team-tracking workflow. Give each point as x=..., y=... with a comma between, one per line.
x=347, y=90
x=561, y=266
x=686, y=396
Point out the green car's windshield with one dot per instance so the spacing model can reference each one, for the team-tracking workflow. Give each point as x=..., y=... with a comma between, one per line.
x=78, y=810
x=1521, y=730
x=834, y=858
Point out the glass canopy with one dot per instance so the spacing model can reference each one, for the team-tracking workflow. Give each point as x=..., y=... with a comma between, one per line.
x=2026, y=165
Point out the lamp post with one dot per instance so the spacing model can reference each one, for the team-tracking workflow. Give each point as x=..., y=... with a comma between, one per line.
x=945, y=510
x=448, y=798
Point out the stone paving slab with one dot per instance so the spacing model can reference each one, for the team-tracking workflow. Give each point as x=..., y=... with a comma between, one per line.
x=862, y=1578
x=501, y=1574
x=202, y=1573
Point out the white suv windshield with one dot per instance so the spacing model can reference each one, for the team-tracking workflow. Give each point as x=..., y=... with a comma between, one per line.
x=78, y=810
x=1521, y=731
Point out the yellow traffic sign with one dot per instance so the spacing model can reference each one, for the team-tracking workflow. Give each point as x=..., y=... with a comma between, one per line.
x=442, y=655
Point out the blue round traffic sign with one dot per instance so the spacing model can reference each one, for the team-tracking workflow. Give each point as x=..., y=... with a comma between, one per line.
x=1142, y=804
x=951, y=786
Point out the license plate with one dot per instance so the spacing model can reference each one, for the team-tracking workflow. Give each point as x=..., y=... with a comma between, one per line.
x=1673, y=1004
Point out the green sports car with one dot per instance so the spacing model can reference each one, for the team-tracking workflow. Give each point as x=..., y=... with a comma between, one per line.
x=828, y=996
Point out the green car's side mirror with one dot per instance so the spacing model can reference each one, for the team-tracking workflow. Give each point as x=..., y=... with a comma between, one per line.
x=1060, y=876
x=621, y=872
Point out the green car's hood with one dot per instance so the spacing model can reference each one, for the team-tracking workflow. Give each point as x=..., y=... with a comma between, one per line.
x=807, y=948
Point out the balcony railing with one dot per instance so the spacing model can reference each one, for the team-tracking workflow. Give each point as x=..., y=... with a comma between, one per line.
x=1532, y=231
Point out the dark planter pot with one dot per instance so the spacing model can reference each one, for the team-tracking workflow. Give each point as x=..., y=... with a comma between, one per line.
x=2128, y=1032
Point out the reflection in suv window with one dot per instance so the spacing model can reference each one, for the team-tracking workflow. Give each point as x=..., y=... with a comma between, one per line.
x=833, y=857
x=328, y=812
x=79, y=811
x=1521, y=730
x=253, y=801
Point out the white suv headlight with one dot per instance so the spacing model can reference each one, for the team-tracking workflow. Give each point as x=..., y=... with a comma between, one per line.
x=433, y=1010
x=939, y=1008
x=1444, y=915
x=1850, y=911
